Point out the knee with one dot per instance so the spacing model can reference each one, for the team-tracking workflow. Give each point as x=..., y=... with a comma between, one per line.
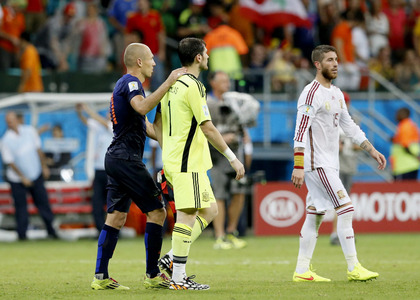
x=157, y=216
x=116, y=219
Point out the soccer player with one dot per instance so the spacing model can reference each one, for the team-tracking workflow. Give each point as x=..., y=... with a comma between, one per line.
x=128, y=178
x=321, y=110
x=184, y=123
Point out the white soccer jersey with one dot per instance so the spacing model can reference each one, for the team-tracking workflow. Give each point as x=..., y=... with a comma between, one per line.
x=320, y=111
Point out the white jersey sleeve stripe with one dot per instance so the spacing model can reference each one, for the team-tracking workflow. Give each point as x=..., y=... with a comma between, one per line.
x=310, y=96
x=302, y=128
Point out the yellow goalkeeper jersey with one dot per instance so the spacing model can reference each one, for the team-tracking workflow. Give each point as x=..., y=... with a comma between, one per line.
x=183, y=109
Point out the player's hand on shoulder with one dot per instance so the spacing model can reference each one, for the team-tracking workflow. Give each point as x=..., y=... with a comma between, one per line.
x=298, y=176
x=175, y=74
x=239, y=168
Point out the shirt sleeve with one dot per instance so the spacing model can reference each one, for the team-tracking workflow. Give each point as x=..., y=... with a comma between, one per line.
x=6, y=153
x=350, y=128
x=134, y=88
x=197, y=101
x=306, y=110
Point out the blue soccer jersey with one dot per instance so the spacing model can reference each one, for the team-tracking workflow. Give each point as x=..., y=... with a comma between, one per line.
x=129, y=126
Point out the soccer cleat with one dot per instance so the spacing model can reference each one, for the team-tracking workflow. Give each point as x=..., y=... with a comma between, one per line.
x=361, y=274
x=236, y=242
x=310, y=276
x=166, y=264
x=160, y=281
x=107, y=284
x=221, y=244
x=188, y=284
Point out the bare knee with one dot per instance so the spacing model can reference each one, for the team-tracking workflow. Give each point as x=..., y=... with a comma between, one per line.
x=116, y=219
x=157, y=216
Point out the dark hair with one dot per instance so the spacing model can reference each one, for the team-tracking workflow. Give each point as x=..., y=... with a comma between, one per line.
x=26, y=36
x=188, y=49
x=319, y=51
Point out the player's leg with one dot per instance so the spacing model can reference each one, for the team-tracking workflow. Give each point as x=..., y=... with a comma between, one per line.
x=220, y=185
x=145, y=194
x=235, y=209
x=98, y=198
x=118, y=205
x=316, y=207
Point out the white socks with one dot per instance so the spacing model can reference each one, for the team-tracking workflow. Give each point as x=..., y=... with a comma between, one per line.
x=346, y=235
x=307, y=242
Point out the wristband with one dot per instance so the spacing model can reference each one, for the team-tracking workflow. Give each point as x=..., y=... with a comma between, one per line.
x=229, y=154
x=298, y=159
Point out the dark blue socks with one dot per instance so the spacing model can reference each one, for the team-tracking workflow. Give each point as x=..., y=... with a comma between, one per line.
x=153, y=241
x=106, y=245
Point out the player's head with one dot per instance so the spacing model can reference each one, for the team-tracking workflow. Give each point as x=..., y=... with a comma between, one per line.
x=138, y=56
x=402, y=113
x=191, y=51
x=325, y=59
x=219, y=81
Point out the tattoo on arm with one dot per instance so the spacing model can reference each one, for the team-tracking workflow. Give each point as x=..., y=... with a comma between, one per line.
x=367, y=146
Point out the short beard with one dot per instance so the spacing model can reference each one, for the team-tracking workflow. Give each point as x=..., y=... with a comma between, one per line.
x=327, y=75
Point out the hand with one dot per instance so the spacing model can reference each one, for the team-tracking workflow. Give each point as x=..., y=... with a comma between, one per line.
x=26, y=182
x=239, y=168
x=45, y=172
x=375, y=154
x=298, y=176
x=175, y=74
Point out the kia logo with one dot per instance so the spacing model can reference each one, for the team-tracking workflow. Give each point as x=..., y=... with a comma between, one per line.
x=282, y=208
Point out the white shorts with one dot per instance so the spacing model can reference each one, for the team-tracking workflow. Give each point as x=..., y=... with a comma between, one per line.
x=325, y=189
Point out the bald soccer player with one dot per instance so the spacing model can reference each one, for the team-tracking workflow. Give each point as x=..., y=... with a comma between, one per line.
x=128, y=178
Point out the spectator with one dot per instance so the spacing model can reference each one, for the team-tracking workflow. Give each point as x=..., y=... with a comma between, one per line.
x=56, y=157
x=349, y=78
x=11, y=27
x=397, y=20
x=30, y=65
x=257, y=64
x=360, y=40
x=241, y=24
x=377, y=27
x=57, y=40
x=26, y=170
x=229, y=193
x=282, y=68
x=35, y=15
x=328, y=19
x=101, y=130
x=150, y=23
x=226, y=46
x=382, y=64
x=94, y=47
x=407, y=72
x=192, y=22
x=117, y=17
x=405, y=149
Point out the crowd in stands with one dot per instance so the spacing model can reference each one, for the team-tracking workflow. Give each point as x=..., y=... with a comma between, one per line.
x=90, y=36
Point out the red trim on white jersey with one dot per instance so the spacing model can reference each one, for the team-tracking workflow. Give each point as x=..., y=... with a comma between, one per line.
x=328, y=187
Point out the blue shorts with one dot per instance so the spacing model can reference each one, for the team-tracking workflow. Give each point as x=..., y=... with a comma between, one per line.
x=130, y=181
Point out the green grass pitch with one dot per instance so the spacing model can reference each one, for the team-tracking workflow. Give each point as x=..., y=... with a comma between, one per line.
x=262, y=270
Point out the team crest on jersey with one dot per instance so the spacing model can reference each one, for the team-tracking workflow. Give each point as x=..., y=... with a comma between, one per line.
x=206, y=110
x=206, y=196
x=327, y=106
x=133, y=85
x=341, y=194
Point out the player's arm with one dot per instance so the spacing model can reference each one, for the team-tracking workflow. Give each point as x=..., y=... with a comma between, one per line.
x=150, y=131
x=305, y=114
x=143, y=105
x=351, y=129
x=375, y=154
x=216, y=139
x=157, y=125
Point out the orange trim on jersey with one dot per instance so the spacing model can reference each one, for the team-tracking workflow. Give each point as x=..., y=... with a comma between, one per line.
x=114, y=119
